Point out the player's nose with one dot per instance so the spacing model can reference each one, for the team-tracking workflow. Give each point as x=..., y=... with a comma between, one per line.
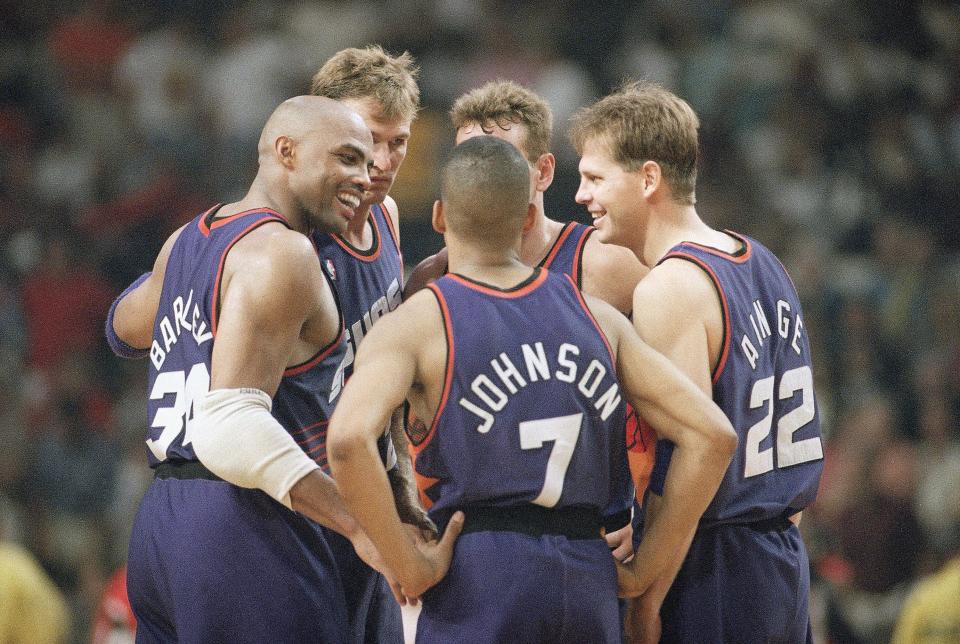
x=583, y=195
x=381, y=157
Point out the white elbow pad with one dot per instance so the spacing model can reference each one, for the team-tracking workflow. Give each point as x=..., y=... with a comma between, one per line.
x=237, y=439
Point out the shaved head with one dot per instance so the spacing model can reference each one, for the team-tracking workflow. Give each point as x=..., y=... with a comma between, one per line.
x=304, y=117
x=314, y=154
x=485, y=190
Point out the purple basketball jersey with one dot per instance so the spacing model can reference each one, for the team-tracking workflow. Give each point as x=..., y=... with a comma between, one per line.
x=566, y=254
x=531, y=411
x=185, y=332
x=763, y=381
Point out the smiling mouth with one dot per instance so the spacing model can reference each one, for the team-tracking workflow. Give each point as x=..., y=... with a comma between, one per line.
x=349, y=199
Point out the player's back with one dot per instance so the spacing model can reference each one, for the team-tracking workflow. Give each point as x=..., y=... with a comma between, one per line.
x=185, y=326
x=526, y=441
x=746, y=575
x=763, y=381
x=532, y=407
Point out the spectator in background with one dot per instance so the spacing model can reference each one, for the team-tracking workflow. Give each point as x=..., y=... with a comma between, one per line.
x=931, y=613
x=32, y=609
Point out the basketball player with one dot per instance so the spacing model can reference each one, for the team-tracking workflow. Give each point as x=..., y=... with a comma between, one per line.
x=365, y=266
x=518, y=373
x=519, y=116
x=244, y=337
x=722, y=308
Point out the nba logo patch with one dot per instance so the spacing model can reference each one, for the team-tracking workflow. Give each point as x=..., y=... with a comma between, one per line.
x=331, y=269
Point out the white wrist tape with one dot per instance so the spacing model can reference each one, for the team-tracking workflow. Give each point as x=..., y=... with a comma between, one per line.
x=237, y=439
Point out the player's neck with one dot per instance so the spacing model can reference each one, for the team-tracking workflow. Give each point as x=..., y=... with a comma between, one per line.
x=260, y=196
x=680, y=223
x=358, y=233
x=537, y=241
x=497, y=267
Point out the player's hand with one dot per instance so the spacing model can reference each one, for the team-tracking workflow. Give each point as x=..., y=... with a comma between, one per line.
x=621, y=543
x=435, y=559
x=642, y=624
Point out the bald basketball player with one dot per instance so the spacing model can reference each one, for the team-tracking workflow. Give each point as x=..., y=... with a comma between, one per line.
x=244, y=337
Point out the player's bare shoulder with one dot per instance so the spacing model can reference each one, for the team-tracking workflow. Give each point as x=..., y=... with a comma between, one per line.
x=612, y=322
x=426, y=271
x=611, y=272
x=677, y=294
x=278, y=270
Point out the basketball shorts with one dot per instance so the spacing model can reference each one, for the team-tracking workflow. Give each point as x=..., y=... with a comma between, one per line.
x=510, y=587
x=210, y=562
x=741, y=583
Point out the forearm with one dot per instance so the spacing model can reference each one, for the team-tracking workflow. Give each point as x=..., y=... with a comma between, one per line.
x=317, y=497
x=366, y=491
x=653, y=597
x=402, y=480
x=692, y=481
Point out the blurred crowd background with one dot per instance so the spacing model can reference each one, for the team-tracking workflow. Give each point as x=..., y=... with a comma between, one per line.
x=830, y=132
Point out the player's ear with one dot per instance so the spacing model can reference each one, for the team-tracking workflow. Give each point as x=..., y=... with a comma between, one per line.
x=439, y=223
x=652, y=177
x=285, y=149
x=546, y=165
x=531, y=217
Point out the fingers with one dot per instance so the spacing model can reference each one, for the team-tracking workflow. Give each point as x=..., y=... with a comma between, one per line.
x=624, y=552
x=454, y=527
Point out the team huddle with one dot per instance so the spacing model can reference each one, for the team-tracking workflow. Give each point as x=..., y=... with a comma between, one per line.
x=550, y=432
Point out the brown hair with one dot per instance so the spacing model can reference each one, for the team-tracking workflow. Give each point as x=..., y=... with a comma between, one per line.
x=504, y=103
x=371, y=72
x=642, y=121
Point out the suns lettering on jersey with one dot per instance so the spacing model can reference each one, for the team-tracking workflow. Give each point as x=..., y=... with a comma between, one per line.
x=761, y=330
x=181, y=318
x=359, y=328
x=493, y=390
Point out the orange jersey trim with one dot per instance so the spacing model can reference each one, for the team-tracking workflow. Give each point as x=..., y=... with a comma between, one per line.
x=217, y=223
x=737, y=259
x=494, y=292
x=596, y=325
x=312, y=362
x=374, y=252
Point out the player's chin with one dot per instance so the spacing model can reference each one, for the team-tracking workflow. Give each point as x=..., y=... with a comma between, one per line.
x=378, y=191
x=604, y=231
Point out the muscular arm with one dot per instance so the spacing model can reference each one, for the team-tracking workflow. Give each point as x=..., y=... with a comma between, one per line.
x=680, y=411
x=610, y=273
x=401, y=476
x=678, y=312
x=271, y=289
x=389, y=362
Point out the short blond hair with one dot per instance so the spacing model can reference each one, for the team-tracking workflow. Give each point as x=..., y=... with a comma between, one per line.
x=640, y=122
x=370, y=72
x=504, y=103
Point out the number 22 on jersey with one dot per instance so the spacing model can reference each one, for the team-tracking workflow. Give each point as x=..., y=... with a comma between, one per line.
x=794, y=382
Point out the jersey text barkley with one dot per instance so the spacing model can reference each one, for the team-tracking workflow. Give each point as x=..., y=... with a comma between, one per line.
x=181, y=318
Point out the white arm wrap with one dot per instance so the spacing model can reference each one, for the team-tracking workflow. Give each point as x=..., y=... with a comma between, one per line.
x=237, y=439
